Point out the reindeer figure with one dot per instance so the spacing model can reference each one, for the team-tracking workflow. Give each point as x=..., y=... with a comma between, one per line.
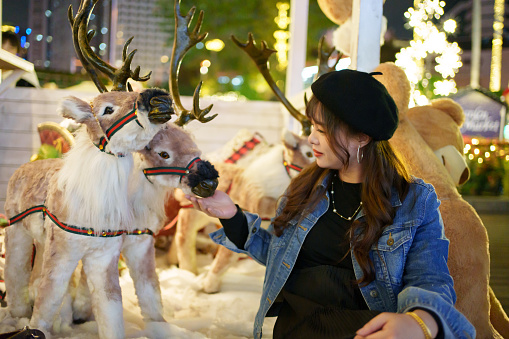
x=99, y=255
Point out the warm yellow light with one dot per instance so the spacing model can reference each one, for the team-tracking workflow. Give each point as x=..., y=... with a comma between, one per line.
x=475, y=141
x=480, y=160
x=496, y=47
x=204, y=70
x=282, y=35
x=282, y=20
x=471, y=156
x=450, y=26
x=487, y=154
x=467, y=147
x=476, y=151
x=507, y=157
x=493, y=148
x=205, y=63
x=215, y=45
x=165, y=59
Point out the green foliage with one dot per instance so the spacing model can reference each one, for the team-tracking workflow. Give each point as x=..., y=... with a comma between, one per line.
x=235, y=17
x=46, y=152
x=487, y=178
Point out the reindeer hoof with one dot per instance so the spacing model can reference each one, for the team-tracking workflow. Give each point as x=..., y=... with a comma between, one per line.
x=210, y=284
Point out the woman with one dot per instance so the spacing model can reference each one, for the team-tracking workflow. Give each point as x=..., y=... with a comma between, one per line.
x=357, y=247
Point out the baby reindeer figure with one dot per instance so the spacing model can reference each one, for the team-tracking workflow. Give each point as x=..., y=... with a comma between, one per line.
x=255, y=187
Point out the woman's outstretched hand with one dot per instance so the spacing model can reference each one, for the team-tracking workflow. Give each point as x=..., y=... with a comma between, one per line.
x=218, y=206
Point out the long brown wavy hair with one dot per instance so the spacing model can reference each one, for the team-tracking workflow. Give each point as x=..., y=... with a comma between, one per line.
x=383, y=170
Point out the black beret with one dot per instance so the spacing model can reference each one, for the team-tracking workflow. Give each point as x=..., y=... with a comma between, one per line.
x=359, y=100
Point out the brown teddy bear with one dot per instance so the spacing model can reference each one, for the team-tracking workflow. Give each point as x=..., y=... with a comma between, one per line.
x=468, y=254
x=439, y=125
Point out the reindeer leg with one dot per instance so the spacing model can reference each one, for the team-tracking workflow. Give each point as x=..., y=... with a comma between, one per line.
x=61, y=256
x=18, y=255
x=223, y=260
x=139, y=253
x=101, y=268
x=185, y=238
x=81, y=305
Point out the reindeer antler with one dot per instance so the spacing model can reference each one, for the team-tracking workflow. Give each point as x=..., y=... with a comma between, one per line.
x=260, y=56
x=185, y=40
x=91, y=61
x=323, y=59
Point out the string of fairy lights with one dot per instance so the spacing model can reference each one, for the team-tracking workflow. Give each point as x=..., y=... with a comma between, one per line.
x=481, y=151
x=496, y=49
x=282, y=34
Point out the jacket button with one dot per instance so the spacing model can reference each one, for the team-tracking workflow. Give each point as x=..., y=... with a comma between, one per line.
x=253, y=230
x=373, y=293
x=390, y=241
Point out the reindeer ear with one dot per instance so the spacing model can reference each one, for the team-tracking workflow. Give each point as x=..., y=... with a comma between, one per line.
x=289, y=139
x=75, y=109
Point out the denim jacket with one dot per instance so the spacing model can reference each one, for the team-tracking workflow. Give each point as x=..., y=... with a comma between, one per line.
x=410, y=264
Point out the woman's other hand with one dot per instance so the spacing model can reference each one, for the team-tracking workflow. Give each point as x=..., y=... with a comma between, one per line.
x=218, y=206
x=397, y=325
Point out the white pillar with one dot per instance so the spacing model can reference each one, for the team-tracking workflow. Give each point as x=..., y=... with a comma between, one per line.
x=475, y=57
x=366, y=30
x=297, y=47
x=299, y=10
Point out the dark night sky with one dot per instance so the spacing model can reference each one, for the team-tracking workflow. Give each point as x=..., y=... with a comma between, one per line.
x=15, y=13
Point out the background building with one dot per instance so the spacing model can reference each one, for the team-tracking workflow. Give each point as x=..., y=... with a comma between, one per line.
x=114, y=21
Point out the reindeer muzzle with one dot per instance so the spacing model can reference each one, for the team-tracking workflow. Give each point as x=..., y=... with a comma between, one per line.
x=205, y=188
x=160, y=109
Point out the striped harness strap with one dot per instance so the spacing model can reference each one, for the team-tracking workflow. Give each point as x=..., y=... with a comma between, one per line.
x=290, y=166
x=26, y=213
x=117, y=125
x=248, y=146
x=181, y=171
x=88, y=231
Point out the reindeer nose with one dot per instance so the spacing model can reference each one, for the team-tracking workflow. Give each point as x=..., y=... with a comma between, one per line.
x=205, y=188
x=160, y=109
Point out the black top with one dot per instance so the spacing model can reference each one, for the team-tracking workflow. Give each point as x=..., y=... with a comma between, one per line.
x=327, y=242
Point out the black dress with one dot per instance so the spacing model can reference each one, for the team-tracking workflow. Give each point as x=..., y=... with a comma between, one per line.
x=320, y=298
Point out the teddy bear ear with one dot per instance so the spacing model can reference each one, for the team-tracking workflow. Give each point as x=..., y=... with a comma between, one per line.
x=450, y=107
x=338, y=11
x=397, y=84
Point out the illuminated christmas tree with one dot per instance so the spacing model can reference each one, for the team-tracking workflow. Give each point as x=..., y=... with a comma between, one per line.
x=430, y=62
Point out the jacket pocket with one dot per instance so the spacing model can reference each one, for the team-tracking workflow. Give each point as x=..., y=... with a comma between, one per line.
x=391, y=257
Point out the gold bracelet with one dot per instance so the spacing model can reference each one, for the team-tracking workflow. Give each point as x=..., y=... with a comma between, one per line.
x=425, y=329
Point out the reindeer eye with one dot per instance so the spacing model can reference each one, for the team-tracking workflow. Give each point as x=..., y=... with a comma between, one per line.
x=164, y=155
x=108, y=110
x=148, y=148
x=309, y=154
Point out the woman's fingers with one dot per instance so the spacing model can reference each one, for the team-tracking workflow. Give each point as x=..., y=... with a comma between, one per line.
x=373, y=325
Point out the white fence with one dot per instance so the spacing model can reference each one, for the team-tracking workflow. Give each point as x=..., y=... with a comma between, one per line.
x=21, y=110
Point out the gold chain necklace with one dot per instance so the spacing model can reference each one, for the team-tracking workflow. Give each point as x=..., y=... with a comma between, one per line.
x=334, y=205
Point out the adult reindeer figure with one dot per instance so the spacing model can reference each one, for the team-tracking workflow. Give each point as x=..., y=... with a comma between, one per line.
x=258, y=184
x=171, y=160
x=86, y=206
